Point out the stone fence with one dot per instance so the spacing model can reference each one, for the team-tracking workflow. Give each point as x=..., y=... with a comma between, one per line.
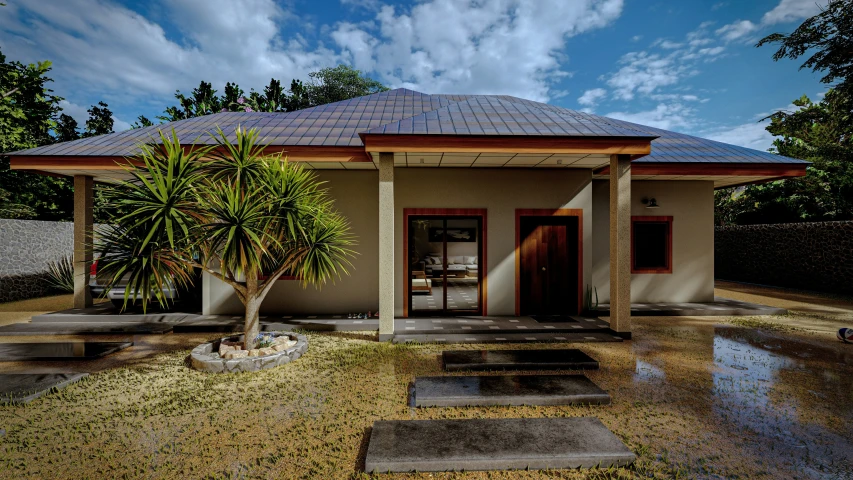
x=25, y=248
x=811, y=256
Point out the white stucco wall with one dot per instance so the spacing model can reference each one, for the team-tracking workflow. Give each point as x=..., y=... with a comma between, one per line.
x=691, y=204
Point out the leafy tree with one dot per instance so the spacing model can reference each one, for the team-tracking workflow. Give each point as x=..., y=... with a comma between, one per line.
x=141, y=122
x=66, y=128
x=244, y=217
x=828, y=40
x=27, y=112
x=821, y=133
x=100, y=120
x=338, y=83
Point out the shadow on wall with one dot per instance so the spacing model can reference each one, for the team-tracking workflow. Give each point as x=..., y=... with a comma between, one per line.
x=22, y=287
x=812, y=256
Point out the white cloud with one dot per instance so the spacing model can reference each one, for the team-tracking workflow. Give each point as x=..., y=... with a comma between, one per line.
x=790, y=10
x=591, y=97
x=666, y=116
x=636, y=38
x=750, y=135
x=736, y=30
x=102, y=48
x=511, y=47
x=785, y=11
x=645, y=73
x=81, y=114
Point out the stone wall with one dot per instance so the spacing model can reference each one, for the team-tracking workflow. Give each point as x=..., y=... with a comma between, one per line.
x=25, y=248
x=812, y=256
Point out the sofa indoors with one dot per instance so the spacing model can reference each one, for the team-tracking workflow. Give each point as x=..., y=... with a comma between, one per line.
x=460, y=265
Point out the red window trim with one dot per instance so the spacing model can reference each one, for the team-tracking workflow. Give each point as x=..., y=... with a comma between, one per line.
x=658, y=219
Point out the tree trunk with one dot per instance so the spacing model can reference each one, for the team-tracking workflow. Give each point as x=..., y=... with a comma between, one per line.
x=252, y=325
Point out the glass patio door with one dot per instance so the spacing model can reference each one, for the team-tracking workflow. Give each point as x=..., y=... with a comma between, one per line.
x=444, y=265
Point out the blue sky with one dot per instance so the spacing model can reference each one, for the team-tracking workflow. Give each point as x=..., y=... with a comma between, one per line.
x=688, y=66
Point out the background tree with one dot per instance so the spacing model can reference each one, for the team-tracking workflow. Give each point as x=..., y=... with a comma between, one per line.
x=100, y=120
x=821, y=133
x=66, y=128
x=28, y=110
x=338, y=83
x=244, y=217
x=141, y=122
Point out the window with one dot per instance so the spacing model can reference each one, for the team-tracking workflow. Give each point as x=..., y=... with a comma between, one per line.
x=651, y=244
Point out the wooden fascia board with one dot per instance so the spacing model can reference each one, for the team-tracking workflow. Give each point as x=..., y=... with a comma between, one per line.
x=375, y=143
x=718, y=169
x=33, y=162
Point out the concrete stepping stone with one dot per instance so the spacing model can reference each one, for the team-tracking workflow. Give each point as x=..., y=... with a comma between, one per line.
x=25, y=387
x=557, y=359
x=459, y=391
x=493, y=444
x=81, y=328
x=17, y=352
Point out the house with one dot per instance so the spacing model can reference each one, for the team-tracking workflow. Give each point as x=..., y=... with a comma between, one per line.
x=474, y=204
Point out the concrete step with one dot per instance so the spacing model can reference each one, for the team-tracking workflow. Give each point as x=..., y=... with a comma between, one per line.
x=18, y=352
x=84, y=328
x=558, y=359
x=493, y=444
x=25, y=387
x=463, y=391
x=504, y=337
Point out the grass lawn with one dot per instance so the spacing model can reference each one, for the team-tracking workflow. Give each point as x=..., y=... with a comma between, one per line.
x=693, y=397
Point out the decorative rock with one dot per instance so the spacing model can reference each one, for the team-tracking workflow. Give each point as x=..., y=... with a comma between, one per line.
x=235, y=354
x=204, y=356
x=223, y=349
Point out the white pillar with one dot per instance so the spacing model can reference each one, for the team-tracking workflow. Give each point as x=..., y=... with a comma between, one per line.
x=83, y=225
x=620, y=245
x=386, y=246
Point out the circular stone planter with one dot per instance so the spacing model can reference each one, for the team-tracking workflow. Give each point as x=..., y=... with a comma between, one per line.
x=205, y=357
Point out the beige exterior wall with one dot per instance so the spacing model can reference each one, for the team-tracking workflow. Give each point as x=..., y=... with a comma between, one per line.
x=691, y=204
x=500, y=191
x=356, y=195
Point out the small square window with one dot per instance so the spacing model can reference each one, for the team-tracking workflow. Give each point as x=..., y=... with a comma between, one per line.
x=651, y=244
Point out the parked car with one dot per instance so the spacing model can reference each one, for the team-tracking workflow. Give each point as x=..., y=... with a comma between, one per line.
x=187, y=298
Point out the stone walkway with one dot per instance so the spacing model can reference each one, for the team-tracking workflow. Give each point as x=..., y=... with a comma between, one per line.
x=719, y=307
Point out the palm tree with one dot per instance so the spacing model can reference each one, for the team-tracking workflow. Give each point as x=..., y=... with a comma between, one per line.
x=238, y=214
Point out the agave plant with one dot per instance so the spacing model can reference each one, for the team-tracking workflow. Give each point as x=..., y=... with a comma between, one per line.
x=242, y=216
x=60, y=275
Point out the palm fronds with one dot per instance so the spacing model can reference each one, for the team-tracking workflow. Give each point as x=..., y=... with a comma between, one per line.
x=60, y=274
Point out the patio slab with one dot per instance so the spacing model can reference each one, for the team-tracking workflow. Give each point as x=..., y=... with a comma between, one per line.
x=508, y=337
x=557, y=359
x=493, y=444
x=83, y=328
x=719, y=307
x=462, y=391
x=17, y=352
x=26, y=387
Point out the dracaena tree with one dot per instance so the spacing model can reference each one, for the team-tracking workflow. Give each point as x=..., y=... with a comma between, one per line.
x=240, y=215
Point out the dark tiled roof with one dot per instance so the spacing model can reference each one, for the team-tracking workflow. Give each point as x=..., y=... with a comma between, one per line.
x=404, y=111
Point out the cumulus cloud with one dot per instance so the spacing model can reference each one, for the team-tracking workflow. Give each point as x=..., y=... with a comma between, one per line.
x=102, y=47
x=673, y=116
x=81, y=114
x=785, y=11
x=736, y=30
x=591, y=97
x=751, y=135
x=503, y=46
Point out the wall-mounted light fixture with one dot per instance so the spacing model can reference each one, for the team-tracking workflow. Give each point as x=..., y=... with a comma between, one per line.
x=649, y=202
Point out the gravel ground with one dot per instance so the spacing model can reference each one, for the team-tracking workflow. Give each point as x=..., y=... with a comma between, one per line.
x=694, y=397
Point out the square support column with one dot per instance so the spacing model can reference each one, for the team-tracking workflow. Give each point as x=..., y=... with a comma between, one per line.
x=83, y=231
x=620, y=245
x=386, y=246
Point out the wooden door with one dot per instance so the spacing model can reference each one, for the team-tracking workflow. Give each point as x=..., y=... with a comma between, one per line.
x=548, y=266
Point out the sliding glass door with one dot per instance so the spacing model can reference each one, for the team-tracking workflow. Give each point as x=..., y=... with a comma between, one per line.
x=444, y=265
